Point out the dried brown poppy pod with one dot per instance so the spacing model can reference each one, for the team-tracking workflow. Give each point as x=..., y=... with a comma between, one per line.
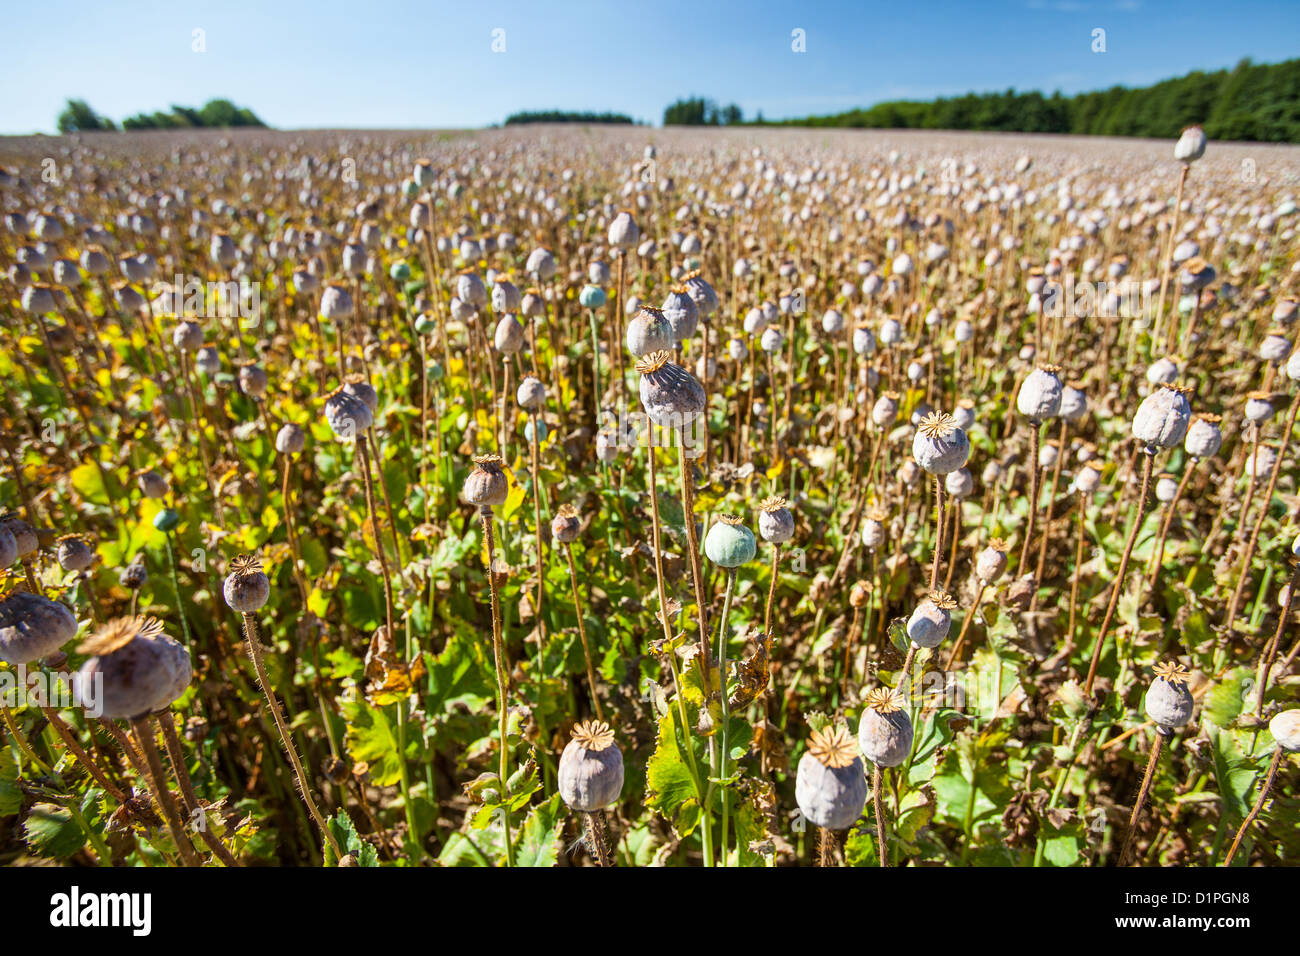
x=1162, y=418
x=134, y=668
x=74, y=554
x=701, y=293
x=991, y=563
x=859, y=594
x=566, y=524
x=32, y=627
x=8, y=548
x=930, y=622
x=505, y=296
x=591, y=768
x=1190, y=146
x=25, y=539
x=1285, y=728
x=1204, y=436
x=347, y=415
x=252, y=381
x=1168, y=701
x=1040, y=394
x=940, y=446
x=831, y=784
x=291, y=439
x=775, y=522
x=873, y=527
x=885, y=732
x=623, y=231
x=485, y=485
x=336, y=302
x=681, y=312
x=670, y=395
x=649, y=331
x=246, y=587
x=358, y=387
x=509, y=335
x=531, y=394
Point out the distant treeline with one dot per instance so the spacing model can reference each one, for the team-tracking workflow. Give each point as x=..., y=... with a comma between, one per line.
x=698, y=111
x=565, y=116
x=1249, y=102
x=78, y=117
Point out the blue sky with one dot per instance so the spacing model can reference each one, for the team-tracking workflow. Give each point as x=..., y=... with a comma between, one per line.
x=385, y=63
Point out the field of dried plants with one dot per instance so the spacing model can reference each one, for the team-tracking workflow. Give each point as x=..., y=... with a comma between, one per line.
x=614, y=496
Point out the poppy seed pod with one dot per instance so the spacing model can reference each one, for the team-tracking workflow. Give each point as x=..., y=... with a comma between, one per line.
x=471, y=290
x=246, y=587
x=891, y=332
x=8, y=548
x=864, y=340
x=1040, y=394
x=670, y=395
x=701, y=293
x=959, y=483
x=771, y=340
x=649, y=331
x=775, y=522
x=1259, y=406
x=25, y=538
x=1168, y=701
x=1204, y=437
x=74, y=554
x=831, y=784
x=347, y=415
x=531, y=394
x=1275, y=346
x=1285, y=728
x=1190, y=146
x=95, y=261
x=252, y=381
x=540, y=264
x=885, y=411
x=290, y=439
x=32, y=627
x=991, y=563
x=833, y=322
x=682, y=313
x=1162, y=371
x=623, y=231
x=187, y=336
x=336, y=302
x=486, y=484
x=142, y=669
x=135, y=574
x=152, y=484
x=566, y=524
x=591, y=768
x=929, y=623
x=606, y=446
x=963, y=331
x=1162, y=418
x=399, y=271
x=940, y=446
x=885, y=731
x=1166, y=488
x=506, y=296
x=592, y=297
x=1088, y=479
x=1261, y=462
x=509, y=335
x=964, y=414
x=38, y=300
x=729, y=543
x=1074, y=404
x=873, y=528
x=222, y=249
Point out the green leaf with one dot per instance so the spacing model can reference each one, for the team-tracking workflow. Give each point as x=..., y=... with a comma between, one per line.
x=539, y=839
x=1225, y=700
x=85, y=479
x=669, y=785
x=1234, y=771
x=346, y=833
x=372, y=738
x=51, y=830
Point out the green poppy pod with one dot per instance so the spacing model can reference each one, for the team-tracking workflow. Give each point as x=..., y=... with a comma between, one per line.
x=592, y=297
x=729, y=543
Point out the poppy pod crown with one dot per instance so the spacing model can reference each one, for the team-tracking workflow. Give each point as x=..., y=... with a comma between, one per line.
x=653, y=362
x=118, y=633
x=942, y=599
x=1172, y=672
x=833, y=747
x=884, y=700
x=774, y=503
x=593, y=735
x=937, y=425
